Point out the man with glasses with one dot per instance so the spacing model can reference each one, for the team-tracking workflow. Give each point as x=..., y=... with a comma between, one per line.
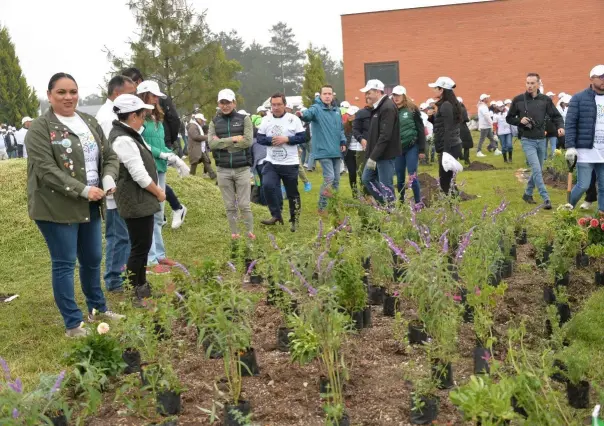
x=585, y=136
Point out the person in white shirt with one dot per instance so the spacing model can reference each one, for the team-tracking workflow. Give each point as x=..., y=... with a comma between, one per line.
x=3, y=153
x=281, y=133
x=504, y=131
x=117, y=248
x=563, y=105
x=20, y=136
x=485, y=126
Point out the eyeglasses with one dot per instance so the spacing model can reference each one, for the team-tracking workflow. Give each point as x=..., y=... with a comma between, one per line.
x=601, y=77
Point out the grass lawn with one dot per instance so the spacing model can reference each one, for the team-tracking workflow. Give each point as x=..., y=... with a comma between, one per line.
x=32, y=334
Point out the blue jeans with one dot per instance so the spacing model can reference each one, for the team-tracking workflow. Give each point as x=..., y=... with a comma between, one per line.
x=553, y=143
x=117, y=250
x=380, y=182
x=407, y=162
x=584, y=173
x=534, y=149
x=506, y=142
x=331, y=179
x=158, y=251
x=66, y=243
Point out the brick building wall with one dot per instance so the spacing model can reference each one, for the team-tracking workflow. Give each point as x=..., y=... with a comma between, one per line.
x=460, y=41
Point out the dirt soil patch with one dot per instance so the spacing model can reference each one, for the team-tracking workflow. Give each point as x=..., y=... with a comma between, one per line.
x=430, y=189
x=477, y=166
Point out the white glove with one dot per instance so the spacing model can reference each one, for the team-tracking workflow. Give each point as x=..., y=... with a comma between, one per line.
x=371, y=164
x=182, y=168
x=571, y=155
x=172, y=160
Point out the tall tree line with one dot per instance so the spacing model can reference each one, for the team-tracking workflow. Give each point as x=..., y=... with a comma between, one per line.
x=280, y=65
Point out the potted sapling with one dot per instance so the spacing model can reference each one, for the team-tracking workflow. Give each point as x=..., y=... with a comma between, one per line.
x=287, y=306
x=484, y=401
x=569, y=239
x=577, y=360
x=319, y=332
x=596, y=254
x=165, y=386
x=424, y=401
x=350, y=292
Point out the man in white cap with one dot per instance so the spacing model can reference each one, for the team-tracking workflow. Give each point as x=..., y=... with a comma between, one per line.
x=230, y=137
x=3, y=153
x=585, y=137
x=198, y=146
x=383, y=144
x=485, y=125
x=528, y=112
x=260, y=114
x=20, y=136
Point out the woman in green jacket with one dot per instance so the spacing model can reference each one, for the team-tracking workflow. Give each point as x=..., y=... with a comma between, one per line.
x=70, y=169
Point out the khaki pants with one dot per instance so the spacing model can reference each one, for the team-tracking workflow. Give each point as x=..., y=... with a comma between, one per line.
x=235, y=187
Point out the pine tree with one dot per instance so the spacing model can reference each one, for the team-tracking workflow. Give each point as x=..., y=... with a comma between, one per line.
x=17, y=99
x=314, y=76
x=286, y=58
x=176, y=50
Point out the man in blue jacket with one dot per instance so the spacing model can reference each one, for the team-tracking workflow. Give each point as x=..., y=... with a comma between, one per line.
x=585, y=136
x=328, y=141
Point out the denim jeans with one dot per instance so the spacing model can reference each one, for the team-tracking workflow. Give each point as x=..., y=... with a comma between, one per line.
x=117, y=250
x=272, y=175
x=534, y=150
x=506, y=142
x=66, y=242
x=584, y=175
x=380, y=182
x=553, y=144
x=407, y=162
x=331, y=179
x=158, y=251
x=311, y=163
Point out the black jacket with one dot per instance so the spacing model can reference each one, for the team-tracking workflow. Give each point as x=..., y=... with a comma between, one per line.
x=384, y=142
x=538, y=108
x=446, y=129
x=464, y=132
x=360, y=125
x=171, y=121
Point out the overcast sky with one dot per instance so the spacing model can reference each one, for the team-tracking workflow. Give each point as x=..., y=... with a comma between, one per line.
x=69, y=35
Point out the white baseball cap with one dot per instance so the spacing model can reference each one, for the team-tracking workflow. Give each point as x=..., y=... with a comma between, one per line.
x=399, y=90
x=353, y=110
x=566, y=99
x=484, y=96
x=561, y=94
x=124, y=104
x=199, y=116
x=25, y=120
x=345, y=104
x=598, y=70
x=226, y=95
x=151, y=87
x=373, y=84
x=260, y=109
x=507, y=102
x=242, y=111
x=443, y=83
x=430, y=101
x=460, y=100
x=550, y=94
x=499, y=104
x=289, y=105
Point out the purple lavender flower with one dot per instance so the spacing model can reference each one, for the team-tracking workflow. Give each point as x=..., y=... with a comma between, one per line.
x=58, y=382
x=320, y=260
x=310, y=288
x=464, y=244
x=320, y=233
x=395, y=249
x=180, y=297
x=484, y=212
x=232, y=266
x=414, y=245
x=182, y=268
x=424, y=233
x=273, y=241
x=17, y=386
x=5, y=368
x=412, y=178
x=459, y=213
x=532, y=212
x=285, y=289
x=15, y=413
x=251, y=267
x=444, y=242
x=330, y=266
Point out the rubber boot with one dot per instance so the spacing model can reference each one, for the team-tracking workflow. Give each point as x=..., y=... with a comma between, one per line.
x=505, y=157
x=510, y=156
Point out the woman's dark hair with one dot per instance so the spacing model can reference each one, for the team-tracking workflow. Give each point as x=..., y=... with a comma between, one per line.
x=134, y=73
x=449, y=96
x=158, y=112
x=57, y=77
x=123, y=116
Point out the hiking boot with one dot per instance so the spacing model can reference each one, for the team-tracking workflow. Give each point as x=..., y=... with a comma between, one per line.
x=108, y=315
x=142, y=292
x=528, y=198
x=77, y=332
x=505, y=157
x=158, y=269
x=510, y=156
x=272, y=221
x=178, y=217
x=293, y=226
x=547, y=205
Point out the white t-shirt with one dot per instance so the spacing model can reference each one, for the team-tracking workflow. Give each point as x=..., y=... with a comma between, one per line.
x=596, y=154
x=288, y=125
x=484, y=117
x=89, y=146
x=105, y=116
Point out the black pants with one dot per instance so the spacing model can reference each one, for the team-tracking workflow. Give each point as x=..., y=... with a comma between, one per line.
x=592, y=193
x=20, y=151
x=350, y=159
x=466, y=155
x=445, y=177
x=140, y=231
x=172, y=199
x=272, y=175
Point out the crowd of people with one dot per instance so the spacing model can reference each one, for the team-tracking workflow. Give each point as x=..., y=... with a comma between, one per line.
x=82, y=169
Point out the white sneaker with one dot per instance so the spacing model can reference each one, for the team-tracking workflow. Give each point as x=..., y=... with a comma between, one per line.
x=178, y=217
x=77, y=332
x=109, y=315
x=497, y=152
x=480, y=154
x=586, y=205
